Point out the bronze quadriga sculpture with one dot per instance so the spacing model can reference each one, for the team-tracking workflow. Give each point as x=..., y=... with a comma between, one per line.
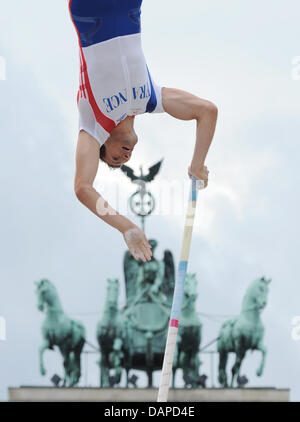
x=134, y=337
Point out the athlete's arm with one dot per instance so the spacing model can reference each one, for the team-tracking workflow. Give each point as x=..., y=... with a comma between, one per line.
x=185, y=106
x=87, y=162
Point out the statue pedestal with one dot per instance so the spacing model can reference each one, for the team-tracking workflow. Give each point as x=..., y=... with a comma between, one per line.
x=46, y=394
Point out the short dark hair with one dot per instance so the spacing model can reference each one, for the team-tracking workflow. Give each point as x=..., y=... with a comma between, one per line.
x=102, y=157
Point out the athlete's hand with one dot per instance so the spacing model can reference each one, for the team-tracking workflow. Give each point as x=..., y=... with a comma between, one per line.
x=201, y=173
x=138, y=244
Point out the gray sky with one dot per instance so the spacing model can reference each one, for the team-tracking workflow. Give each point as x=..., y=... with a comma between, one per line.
x=237, y=54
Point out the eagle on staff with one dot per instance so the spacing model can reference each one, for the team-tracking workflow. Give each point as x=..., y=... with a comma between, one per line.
x=146, y=178
x=142, y=202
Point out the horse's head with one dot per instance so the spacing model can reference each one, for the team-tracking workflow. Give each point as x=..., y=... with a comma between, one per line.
x=190, y=286
x=257, y=294
x=112, y=291
x=45, y=292
x=153, y=244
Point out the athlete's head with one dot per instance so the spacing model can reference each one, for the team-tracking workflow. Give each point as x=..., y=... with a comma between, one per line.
x=118, y=147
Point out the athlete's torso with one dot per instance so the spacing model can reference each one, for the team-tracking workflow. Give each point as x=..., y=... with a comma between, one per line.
x=114, y=78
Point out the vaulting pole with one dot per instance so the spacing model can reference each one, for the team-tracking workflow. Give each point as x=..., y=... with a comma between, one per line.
x=178, y=292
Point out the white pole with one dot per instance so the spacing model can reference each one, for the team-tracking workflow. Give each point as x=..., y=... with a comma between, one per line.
x=178, y=292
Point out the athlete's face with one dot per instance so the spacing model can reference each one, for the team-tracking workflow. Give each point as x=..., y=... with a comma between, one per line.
x=118, y=150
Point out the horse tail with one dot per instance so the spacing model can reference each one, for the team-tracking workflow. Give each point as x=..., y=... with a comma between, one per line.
x=225, y=339
x=78, y=334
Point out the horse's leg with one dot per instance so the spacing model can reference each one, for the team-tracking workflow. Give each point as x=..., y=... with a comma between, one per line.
x=184, y=365
x=263, y=350
x=149, y=373
x=116, y=359
x=101, y=372
x=78, y=359
x=195, y=356
x=222, y=376
x=100, y=368
x=76, y=365
x=104, y=376
x=118, y=373
x=234, y=370
x=189, y=368
x=195, y=369
x=127, y=377
x=42, y=349
x=240, y=354
x=72, y=368
x=197, y=364
x=66, y=359
x=173, y=377
x=104, y=371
